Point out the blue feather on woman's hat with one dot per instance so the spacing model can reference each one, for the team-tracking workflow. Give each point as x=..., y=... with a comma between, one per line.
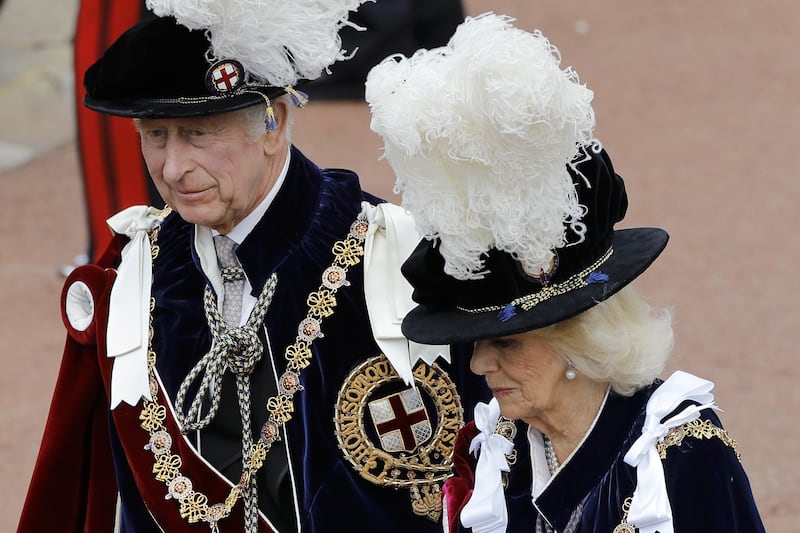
x=493, y=148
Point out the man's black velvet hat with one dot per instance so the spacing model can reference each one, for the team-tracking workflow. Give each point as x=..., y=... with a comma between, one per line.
x=159, y=68
x=508, y=300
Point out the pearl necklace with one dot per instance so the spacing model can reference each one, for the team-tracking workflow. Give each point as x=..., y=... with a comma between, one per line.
x=552, y=466
x=550, y=455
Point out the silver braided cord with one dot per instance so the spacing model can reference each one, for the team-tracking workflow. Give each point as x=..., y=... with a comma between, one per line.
x=195, y=506
x=238, y=349
x=232, y=274
x=572, y=524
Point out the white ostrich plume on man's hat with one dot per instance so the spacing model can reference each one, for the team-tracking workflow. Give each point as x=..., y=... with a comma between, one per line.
x=480, y=133
x=277, y=41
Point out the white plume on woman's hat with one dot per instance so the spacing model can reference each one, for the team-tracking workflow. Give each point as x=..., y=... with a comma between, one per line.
x=480, y=133
x=492, y=145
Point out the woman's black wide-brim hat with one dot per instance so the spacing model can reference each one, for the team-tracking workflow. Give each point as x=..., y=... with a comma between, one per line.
x=509, y=301
x=159, y=69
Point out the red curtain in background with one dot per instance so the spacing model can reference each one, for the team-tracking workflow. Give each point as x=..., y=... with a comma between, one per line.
x=114, y=175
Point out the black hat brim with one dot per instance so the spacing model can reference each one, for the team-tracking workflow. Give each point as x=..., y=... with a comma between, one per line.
x=634, y=250
x=158, y=68
x=161, y=108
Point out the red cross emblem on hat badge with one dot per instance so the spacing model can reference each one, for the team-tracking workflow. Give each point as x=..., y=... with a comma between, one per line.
x=224, y=76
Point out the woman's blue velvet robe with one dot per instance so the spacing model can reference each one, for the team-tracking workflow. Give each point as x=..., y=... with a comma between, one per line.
x=707, y=486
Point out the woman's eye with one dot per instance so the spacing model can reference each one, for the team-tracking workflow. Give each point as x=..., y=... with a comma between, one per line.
x=504, y=344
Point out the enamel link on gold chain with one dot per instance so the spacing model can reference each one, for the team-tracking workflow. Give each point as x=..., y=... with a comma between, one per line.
x=194, y=505
x=624, y=526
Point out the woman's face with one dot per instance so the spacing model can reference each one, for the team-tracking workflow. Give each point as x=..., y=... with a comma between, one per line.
x=525, y=375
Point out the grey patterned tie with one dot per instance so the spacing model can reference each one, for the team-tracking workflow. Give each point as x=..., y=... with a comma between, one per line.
x=232, y=279
x=233, y=283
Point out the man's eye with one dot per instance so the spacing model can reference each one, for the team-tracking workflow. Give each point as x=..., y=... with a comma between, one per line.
x=154, y=137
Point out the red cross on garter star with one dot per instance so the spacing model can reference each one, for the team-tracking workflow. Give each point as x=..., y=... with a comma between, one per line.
x=224, y=76
x=401, y=421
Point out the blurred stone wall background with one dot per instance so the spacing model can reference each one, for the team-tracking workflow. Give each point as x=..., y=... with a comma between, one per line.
x=695, y=101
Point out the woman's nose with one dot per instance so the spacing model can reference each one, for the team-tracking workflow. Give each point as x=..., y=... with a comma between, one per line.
x=482, y=361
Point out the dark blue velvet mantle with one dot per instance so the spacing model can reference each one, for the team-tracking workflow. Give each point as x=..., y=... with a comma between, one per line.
x=296, y=246
x=707, y=486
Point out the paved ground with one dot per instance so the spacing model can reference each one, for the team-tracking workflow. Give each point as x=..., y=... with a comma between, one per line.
x=696, y=104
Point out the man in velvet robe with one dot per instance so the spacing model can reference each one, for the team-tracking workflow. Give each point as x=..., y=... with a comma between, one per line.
x=116, y=451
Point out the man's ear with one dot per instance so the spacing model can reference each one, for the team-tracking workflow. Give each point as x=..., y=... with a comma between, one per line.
x=275, y=140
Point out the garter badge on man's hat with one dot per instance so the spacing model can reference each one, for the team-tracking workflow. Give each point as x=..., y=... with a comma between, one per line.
x=492, y=145
x=224, y=76
x=199, y=58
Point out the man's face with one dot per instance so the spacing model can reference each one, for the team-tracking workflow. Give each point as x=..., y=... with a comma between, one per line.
x=208, y=168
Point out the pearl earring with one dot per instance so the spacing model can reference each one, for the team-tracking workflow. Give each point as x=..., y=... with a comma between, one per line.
x=570, y=374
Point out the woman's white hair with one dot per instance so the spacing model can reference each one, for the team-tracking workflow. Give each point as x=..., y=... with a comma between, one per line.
x=622, y=341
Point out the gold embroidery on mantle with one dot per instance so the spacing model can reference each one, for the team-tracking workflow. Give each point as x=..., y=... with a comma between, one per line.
x=384, y=430
x=194, y=505
x=699, y=429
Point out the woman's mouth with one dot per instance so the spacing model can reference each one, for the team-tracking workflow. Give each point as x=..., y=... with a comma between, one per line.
x=499, y=392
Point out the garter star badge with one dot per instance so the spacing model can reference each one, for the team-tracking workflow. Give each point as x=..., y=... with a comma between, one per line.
x=401, y=421
x=397, y=436
x=224, y=76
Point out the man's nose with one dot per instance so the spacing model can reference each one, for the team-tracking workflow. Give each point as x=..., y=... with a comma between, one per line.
x=176, y=158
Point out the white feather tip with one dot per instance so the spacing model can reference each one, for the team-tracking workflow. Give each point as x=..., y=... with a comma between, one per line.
x=480, y=133
x=278, y=42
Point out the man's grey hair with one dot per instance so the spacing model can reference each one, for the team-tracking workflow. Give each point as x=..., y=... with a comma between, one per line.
x=254, y=118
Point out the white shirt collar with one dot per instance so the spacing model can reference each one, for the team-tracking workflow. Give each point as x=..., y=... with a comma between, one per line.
x=241, y=230
x=204, y=237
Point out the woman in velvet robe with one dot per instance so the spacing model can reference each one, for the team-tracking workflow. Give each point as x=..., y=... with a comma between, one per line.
x=523, y=267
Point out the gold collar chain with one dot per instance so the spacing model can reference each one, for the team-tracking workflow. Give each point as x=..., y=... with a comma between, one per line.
x=194, y=505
